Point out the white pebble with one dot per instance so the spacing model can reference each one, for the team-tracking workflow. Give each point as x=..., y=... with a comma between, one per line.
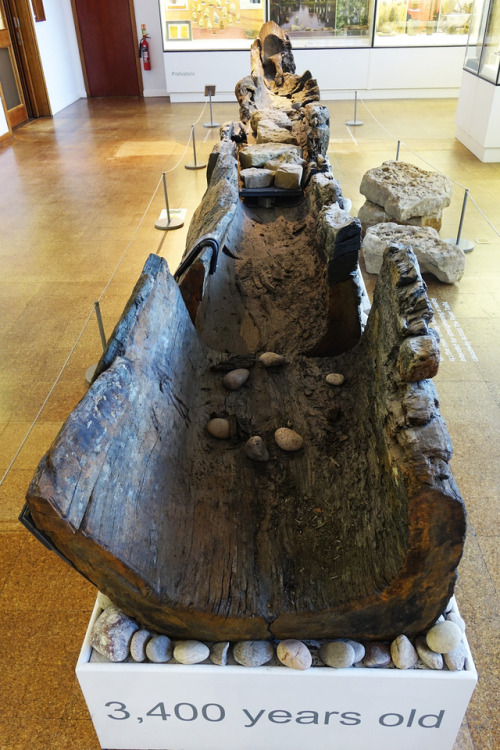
x=294, y=654
x=256, y=450
x=337, y=654
x=455, y=617
x=218, y=428
x=159, y=649
x=271, y=359
x=235, y=379
x=359, y=649
x=429, y=658
x=218, y=653
x=335, y=378
x=288, y=440
x=253, y=653
x=444, y=637
x=191, y=652
x=403, y=653
x=138, y=645
x=455, y=660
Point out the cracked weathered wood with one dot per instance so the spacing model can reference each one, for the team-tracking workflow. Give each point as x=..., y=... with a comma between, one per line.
x=359, y=533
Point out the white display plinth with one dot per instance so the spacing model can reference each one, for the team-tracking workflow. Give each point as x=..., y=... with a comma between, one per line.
x=205, y=707
x=478, y=117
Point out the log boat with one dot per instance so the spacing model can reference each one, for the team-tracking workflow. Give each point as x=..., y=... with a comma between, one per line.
x=358, y=533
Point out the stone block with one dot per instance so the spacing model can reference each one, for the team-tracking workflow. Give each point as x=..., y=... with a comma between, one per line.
x=270, y=132
x=288, y=176
x=370, y=214
x=257, y=178
x=405, y=191
x=444, y=261
x=276, y=116
x=258, y=155
x=287, y=158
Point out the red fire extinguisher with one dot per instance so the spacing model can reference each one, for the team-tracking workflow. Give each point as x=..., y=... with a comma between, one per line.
x=144, y=52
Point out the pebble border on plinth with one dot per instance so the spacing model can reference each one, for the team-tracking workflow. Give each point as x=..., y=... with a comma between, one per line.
x=114, y=639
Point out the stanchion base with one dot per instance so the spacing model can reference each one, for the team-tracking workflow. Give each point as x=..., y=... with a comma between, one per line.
x=165, y=224
x=355, y=122
x=90, y=373
x=195, y=166
x=211, y=125
x=466, y=245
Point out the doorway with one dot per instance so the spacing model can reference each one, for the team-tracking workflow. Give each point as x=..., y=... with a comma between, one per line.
x=21, y=72
x=109, y=47
x=9, y=76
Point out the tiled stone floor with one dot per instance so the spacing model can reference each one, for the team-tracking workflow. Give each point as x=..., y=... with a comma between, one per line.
x=73, y=190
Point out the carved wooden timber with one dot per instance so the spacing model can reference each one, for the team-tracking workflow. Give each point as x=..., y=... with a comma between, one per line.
x=359, y=533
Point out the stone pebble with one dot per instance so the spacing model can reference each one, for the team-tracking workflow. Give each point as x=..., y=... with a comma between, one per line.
x=288, y=440
x=429, y=657
x=271, y=359
x=359, y=649
x=256, y=450
x=112, y=633
x=159, y=649
x=455, y=617
x=403, y=653
x=253, y=653
x=103, y=601
x=377, y=655
x=444, y=637
x=219, y=428
x=235, y=379
x=455, y=660
x=337, y=654
x=191, y=652
x=294, y=654
x=218, y=653
x=334, y=378
x=138, y=645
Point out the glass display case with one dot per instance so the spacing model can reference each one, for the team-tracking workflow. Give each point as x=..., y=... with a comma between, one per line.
x=422, y=22
x=325, y=23
x=483, y=46
x=210, y=24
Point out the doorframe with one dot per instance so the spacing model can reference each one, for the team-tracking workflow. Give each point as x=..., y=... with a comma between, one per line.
x=27, y=57
x=135, y=40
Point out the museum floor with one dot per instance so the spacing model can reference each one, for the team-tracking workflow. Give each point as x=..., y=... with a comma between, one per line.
x=76, y=227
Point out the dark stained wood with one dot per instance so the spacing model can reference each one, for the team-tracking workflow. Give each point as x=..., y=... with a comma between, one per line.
x=359, y=533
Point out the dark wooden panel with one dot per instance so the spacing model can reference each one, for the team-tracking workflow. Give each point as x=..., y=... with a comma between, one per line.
x=108, y=45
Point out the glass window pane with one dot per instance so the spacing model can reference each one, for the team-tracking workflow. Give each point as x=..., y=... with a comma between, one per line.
x=324, y=23
x=9, y=85
x=490, y=59
x=417, y=23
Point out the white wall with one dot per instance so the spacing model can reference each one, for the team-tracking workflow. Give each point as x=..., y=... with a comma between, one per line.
x=58, y=48
x=374, y=72
x=148, y=12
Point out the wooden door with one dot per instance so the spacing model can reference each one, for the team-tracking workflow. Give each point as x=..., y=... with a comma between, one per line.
x=9, y=76
x=108, y=42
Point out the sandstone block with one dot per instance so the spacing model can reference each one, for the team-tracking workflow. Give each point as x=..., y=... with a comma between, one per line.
x=288, y=176
x=256, y=178
x=404, y=190
x=444, y=261
x=258, y=155
x=275, y=164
